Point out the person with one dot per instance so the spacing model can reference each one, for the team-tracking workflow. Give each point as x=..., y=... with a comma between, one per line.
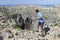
x=40, y=20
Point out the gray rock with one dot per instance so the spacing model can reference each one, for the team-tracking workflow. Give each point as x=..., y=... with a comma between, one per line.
x=10, y=34
x=1, y=37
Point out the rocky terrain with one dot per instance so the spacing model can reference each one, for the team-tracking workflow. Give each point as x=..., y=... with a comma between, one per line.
x=9, y=16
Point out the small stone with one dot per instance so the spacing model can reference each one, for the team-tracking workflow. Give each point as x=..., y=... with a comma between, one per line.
x=16, y=34
x=38, y=39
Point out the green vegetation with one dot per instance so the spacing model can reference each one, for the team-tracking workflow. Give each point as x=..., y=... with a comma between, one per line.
x=59, y=35
x=56, y=24
x=45, y=17
x=16, y=27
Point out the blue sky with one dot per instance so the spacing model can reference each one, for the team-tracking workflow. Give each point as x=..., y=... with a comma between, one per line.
x=37, y=2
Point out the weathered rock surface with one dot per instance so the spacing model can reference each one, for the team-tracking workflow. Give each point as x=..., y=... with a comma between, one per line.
x=51, y=17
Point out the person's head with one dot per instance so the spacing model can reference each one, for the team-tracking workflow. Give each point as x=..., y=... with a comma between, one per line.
x=37, y=10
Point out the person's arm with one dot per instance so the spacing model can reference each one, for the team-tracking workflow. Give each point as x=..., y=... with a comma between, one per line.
x=41, y=15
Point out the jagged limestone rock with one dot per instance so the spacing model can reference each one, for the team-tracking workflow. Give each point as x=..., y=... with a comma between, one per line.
x=20, y=21
x=28, y=23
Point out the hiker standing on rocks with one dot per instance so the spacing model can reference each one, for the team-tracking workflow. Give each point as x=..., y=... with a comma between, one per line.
x=40, y=20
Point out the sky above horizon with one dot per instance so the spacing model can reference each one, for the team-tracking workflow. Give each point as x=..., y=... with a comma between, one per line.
x=37, y=2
